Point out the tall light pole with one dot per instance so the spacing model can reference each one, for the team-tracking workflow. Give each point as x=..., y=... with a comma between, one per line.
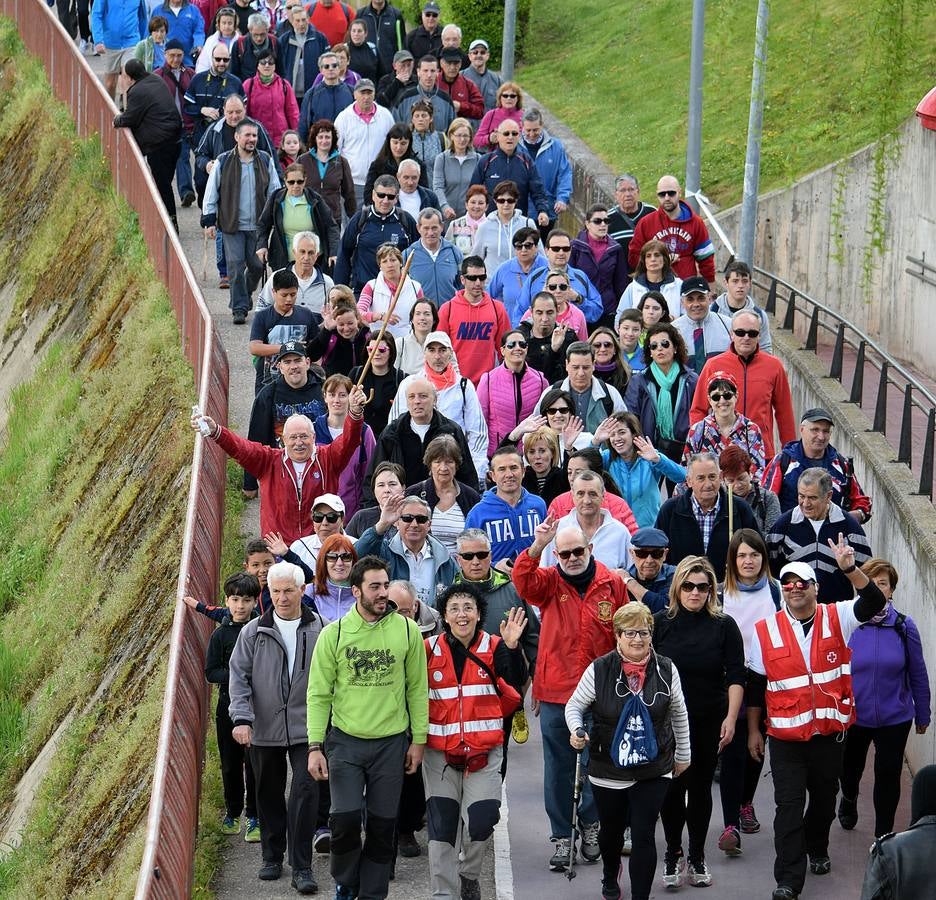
x=694, y=135
x=755, y=123
x=510, y=33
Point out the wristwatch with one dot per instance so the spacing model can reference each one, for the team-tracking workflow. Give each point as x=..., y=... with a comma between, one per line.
x=315, y=748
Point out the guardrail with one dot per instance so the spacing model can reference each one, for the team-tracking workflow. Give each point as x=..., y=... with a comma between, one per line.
x=891, y=374
x=166, y=870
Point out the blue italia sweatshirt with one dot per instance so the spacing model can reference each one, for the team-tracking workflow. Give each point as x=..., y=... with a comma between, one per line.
x=510, y=528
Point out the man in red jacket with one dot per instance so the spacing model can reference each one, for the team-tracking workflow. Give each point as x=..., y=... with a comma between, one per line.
x=763, y=389
x=466, y=98
x=290, y=479
x=677, y=226
x=577, y=600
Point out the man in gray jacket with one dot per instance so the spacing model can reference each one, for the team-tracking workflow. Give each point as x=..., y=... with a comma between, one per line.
x=270, y=665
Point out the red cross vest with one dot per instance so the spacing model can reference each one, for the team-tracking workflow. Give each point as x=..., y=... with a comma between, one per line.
x=464, y=716
x=802, y=703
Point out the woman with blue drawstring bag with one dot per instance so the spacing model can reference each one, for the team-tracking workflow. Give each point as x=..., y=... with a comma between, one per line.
x=639, y=740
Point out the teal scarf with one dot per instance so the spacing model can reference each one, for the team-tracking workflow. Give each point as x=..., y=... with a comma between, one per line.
x=664, y=403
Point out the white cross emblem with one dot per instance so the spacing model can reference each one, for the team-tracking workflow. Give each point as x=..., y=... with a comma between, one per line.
x=831, y=656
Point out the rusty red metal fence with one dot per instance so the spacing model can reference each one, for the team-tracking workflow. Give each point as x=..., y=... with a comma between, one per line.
x=166, y=870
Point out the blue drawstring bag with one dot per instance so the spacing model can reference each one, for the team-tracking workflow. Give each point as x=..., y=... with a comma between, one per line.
x=634, y=742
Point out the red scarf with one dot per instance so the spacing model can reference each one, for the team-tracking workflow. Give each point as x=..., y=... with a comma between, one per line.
x=635, y=673
x=440, y=381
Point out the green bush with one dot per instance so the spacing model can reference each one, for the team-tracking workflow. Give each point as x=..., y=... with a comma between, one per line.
x=485, y=19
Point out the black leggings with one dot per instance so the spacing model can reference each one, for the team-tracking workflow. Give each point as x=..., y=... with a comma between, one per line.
x=637, y=808
x=689, y=799
x=740, y=773
x=890, y=741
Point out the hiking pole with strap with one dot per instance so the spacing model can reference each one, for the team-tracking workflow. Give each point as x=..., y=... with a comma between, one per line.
x=576, y=799
x=383, y=327
x=730, y=512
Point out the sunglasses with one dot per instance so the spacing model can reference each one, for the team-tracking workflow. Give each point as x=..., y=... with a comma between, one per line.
x=383, y=196
x=703, y=587
x=577, y=552
x=746, y=332
x=632, y=633
x=409, y=518
x=221, y=58
x=509, y=96
x=329, y=66
x=526, y=245
x=564, y=249
x=795, y=584
x=381, y=349
x=667, y=193
x=717, y=398
x=597, y=221
x=331, y=517
x=474, y=277
x=509, y=133
x=431, y=15
x=660, y=345
x=267, y=62
x=475, y=554
x=602, y=345
x=656, y=553
x=339, y=557
x=557, y=287
x=558, y=411
x=505, y=199
x=510, y=345
x=295, y=181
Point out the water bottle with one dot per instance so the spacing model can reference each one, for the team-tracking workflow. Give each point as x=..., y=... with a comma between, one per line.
x=203, y=426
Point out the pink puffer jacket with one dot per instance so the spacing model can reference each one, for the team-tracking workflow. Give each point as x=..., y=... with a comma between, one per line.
x=273, y=105
x=499, y=392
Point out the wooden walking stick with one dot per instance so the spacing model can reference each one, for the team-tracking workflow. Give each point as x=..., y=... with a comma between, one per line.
x=383, y=327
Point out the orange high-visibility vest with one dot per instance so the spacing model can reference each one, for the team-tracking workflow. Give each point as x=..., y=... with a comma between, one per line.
x=803, y=703
x=464, y=716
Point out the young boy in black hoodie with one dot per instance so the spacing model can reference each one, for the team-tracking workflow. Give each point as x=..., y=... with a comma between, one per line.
x=241, y=592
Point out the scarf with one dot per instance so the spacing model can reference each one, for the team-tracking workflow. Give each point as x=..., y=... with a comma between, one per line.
x=440, y=380
x=664, y=404
x=581, y=581
x=881, y=616
x=605, y=367
x=635, y=673
x=750, y=588
x=266, y=79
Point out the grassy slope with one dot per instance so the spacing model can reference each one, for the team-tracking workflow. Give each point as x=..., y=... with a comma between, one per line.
x=624, y=71
x=93, y=485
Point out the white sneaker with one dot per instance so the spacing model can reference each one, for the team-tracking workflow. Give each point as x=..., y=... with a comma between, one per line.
x=628, y=845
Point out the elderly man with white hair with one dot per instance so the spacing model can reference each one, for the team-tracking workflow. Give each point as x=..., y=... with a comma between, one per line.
x=314, y=284
x=413, y=197
x=291, y=478
x=269, y=677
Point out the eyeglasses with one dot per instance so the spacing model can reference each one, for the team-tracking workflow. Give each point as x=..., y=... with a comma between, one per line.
x=409, y=518
x=667, y=193
x=295, y=181
x=558, y=411
x=577, y=552
x=221, y=58
x=660, y=345
x=526, y=245
x=631, y=633
x=567, y=248
x=503, y=199
x=602, y=345
x=331, y=518
x=509, y=96
x=655, y=552
x=717, y=398
x=339, y=557
x=688, y=587
x=266, y=62
x=329, y=66
x=381, y=196
x=557, y=287
x=795, y=584
x=597, y=221
x=746, y=332
x=431, y=15
x=474, y=277
x=475, y=554
x=510, y=345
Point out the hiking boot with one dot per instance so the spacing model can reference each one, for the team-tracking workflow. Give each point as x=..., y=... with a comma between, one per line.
x=230, y=825
x=407, y=845
x=848, y=813
x=749, y=823
x=252, y=834
x=321, y=842
x=188, y=199
x=820, y=865
x=343, y=893
x=730, y=841
x=628, y=844
x=520, y=728
x=303, y=881
x=562, y=856
x=674, y=866
x=590, y=850
x=270, y=871
x=470, y=889
x=239, y=318
x=223, y=282
x=699, y=875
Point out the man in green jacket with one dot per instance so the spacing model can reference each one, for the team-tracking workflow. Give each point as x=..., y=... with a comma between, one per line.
x=369, y=674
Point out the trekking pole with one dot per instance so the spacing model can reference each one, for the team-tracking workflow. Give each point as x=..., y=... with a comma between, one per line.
x=383, y=327
x=730, y=512
x=576, y=798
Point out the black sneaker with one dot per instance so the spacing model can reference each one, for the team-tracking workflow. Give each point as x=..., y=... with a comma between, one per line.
x=240, y=318
x=270, y=871
x=848, y=813
x=408, y=845
x=820, y=865
x=782, y=892
x=470, y=889
x=303, y=881
x=188, y=199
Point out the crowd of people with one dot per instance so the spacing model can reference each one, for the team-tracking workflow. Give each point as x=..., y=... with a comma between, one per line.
x=478, y=437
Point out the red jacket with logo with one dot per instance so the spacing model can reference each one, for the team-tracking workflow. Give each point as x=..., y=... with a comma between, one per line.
x=687, y=239
x=285, y=502
x=476, y=332
x=574, y=630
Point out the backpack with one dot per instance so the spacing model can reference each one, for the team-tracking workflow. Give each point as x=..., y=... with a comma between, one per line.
x=606, y=400
x=247, y=90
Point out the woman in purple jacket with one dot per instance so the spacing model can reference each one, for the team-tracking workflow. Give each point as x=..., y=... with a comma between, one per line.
x=891, y=693
x=602, y=260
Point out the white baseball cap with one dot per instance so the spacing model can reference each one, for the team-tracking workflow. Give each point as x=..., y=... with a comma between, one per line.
x=803, y=570
x=332, y=501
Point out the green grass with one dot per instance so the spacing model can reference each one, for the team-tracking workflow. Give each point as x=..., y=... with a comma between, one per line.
x=618, y=76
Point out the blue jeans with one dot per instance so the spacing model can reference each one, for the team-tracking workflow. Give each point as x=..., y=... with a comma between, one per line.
x=183, y=169
x=559, y=773
x=244, y=268
x=220, y=261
